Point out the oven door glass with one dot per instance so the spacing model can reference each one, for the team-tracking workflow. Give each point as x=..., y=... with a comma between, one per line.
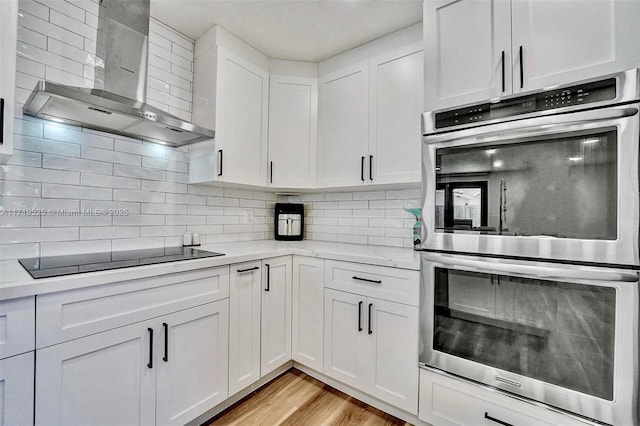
x=557, y=332
x=562, y=185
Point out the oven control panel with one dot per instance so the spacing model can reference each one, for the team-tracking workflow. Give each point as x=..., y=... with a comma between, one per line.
x=547, y=100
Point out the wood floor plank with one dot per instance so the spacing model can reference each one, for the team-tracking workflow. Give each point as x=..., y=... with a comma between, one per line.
x=295, y=399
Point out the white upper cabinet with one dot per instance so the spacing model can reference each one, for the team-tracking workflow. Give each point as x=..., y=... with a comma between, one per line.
x=477, y=50
x=395, y=104
x=465, y=41
x=293, y=123
x=343, y=135
x=231, y=95
x=8, y=42
x=370, y=101
x=566, y=40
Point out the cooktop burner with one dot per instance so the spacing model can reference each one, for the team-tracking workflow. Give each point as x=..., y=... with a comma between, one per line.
x=55, y=266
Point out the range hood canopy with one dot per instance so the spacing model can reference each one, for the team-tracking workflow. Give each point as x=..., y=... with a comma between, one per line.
x=117, y=104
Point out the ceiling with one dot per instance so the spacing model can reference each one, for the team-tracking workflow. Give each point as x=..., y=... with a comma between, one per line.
x=302, y=30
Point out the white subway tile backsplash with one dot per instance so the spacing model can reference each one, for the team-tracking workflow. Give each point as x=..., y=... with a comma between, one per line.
x=10, y=188
x=89, y=179
x=146, y=149
x=27, y=128
x=50, y=59
x=74, y=135
x=72, y=25
x=139, y=196
x=7, y=221
x=159, y=28
x=159, y=186
x=186, y=199
x=75, y=220
x=137, y=243
x=162, y=231
x=67, y=8
x=108, y=232
x=138, y=220
x=51, y=190
x=170, y=209
x=34, y=174
x=25, y=158
x=30, y=67
x=137, y=172
x=68, y=163
x=110, y=156
x=157, y=163
x=206, y=190
x=205, y=210
x=34, y=235
x=34, y=8
x=31, y=37
x=19, y=251
x=49, y=29
x=75, y=247
x=112, y=207
x=185, y=220
x=28, y=143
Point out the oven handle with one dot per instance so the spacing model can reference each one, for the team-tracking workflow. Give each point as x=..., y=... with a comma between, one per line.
x=533, y=271
x=534, y=124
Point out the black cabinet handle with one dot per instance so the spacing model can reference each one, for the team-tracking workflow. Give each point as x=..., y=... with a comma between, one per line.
x=165, y=358
x=359, y=316
x=268, y=267
x=504, y=87
x=220, y=162
x=371, y=167
x=270, y=171
x=1, y=120
x=493, y=419
x=362, y=169
x=521, y=68
x=367, y=280
x=370, y=306
x=248, y=269
x=150, y=363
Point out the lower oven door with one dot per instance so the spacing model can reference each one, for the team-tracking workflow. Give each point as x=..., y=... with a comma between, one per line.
x=564, y=335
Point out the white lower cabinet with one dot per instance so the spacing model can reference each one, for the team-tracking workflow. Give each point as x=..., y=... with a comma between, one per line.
x=372, y=345
x=192, y=363
x=448, y=401
x=276, y=314
x=120, y=376
x=244, y=325
x=307, y=322
x=16, y=390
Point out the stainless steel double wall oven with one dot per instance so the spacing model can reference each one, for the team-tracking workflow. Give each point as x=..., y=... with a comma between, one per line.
x=531, y=246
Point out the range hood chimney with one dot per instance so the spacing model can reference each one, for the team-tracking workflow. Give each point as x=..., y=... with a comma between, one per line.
x=117, y=103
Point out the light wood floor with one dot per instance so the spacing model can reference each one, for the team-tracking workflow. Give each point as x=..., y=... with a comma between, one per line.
x=299, y=400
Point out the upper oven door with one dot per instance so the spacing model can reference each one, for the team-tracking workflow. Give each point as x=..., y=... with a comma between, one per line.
x=555, y=187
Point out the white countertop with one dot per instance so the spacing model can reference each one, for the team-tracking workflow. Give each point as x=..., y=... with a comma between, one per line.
x=15, y=281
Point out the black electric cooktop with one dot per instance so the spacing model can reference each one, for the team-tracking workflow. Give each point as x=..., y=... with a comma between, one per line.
x=55, y=266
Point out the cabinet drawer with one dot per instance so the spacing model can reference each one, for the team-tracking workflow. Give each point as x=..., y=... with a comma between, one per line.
x=446, y=401
x=392, y=284
x=17, y=326
x=76, y=313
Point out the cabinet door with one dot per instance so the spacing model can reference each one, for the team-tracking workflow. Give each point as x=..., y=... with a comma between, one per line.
x=108, y=378
x=345, y=338
x=242, y=120
x=244, y=325
x=276, y=313
x=293, y=123
x=308, y=311
x=464, y=45
x=8, y=41
x=343, y=133
x=192, y=354
x=16, y=390
x=396, y=102
x=565, y=41
x=392, y=351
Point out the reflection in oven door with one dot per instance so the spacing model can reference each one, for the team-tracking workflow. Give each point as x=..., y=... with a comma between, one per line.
x=560, y=334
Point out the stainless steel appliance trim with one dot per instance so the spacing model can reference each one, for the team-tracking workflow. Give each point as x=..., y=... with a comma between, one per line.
x=628, y=91
x=623, y=250
x=624, y=409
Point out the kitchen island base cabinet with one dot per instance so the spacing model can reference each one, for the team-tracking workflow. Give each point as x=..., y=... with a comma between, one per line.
x=307, y=323
x=16, y=390
x=120, y=376
x=275, y=348
x=372, y=345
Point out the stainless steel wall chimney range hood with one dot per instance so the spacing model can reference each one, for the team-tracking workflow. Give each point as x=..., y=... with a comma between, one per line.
x=117, y=103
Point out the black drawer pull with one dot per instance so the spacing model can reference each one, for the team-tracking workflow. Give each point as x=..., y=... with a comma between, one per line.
x=371, y=167
x=360, y=316
x=268, y=267
x=362, y=169
x=165, y=358
x=367, y=280
x=1, y=121
x=248, y=269
x=150, y=363
x=521, y=68
x=493, y=419
x=220, y=162
x=370, y=329
x=503, y=73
